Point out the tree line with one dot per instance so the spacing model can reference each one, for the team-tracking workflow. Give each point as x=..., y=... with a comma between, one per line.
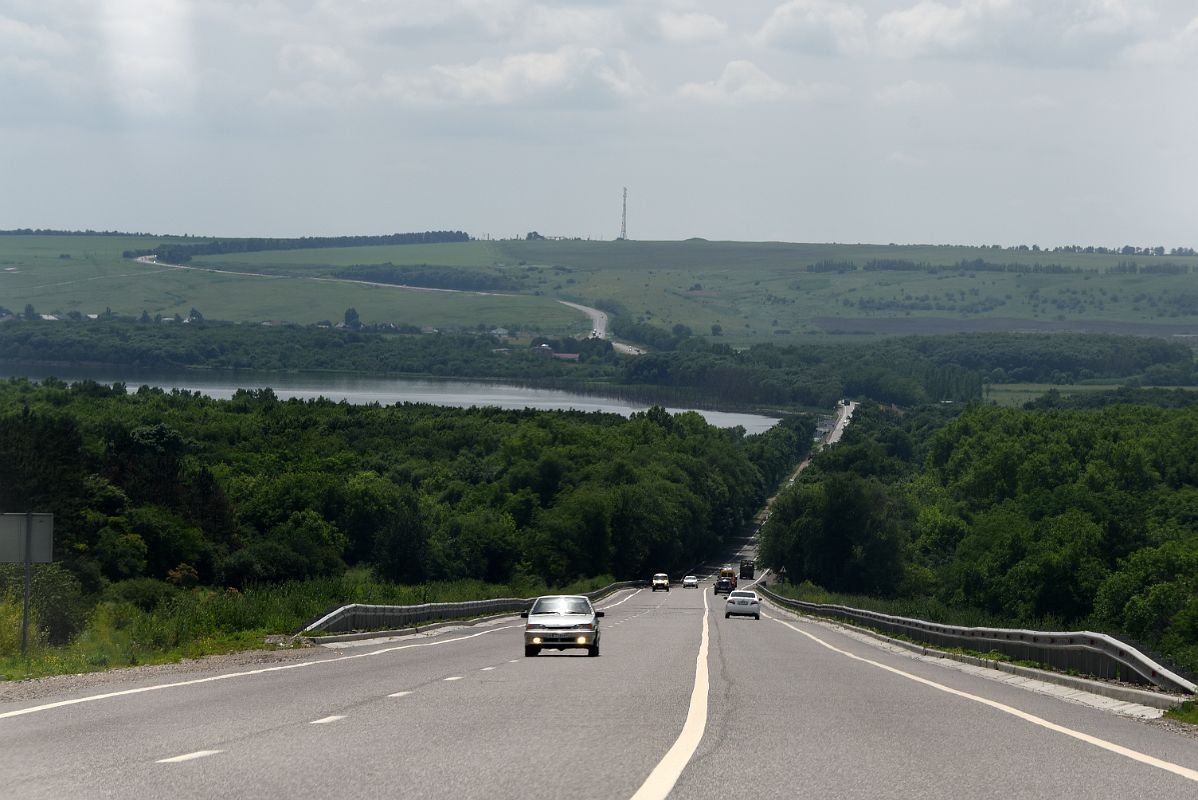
x=174, y=253
x=154, y=491
x=431, y=277
x=1045, y=518
x=904, y=370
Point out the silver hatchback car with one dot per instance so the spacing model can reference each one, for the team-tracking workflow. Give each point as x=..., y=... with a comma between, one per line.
x=561, y=622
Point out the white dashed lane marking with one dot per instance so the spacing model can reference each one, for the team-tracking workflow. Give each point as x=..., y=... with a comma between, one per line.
x=189, y=756
x=486, y=669
x=454, y=678
x=399, y=694
x=327, y=720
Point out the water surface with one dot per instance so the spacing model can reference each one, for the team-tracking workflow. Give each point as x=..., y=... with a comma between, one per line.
x=385, y=391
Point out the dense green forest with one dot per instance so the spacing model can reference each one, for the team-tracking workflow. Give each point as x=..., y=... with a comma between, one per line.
x=908, y=370
x=228, y=346
x=154, y=492
x=1045, y=518
x=905, y=371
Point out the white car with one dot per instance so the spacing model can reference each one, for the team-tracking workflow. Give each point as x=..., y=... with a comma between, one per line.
x=661, y=581
x=559, y=622
x=690, y=582
x=743, y=603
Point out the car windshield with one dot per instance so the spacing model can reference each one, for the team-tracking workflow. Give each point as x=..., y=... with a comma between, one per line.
x=660, y=576
x=561, y=605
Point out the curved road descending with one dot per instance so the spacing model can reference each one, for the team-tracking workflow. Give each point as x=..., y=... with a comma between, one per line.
x=464, y=714
x=598, y=318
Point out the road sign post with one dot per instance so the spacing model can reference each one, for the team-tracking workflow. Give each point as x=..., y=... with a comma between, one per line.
x=26, y=538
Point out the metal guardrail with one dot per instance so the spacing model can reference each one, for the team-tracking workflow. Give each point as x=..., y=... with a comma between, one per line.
x=1085, y=652
x=362, y=617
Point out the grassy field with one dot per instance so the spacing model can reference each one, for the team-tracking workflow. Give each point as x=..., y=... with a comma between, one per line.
x=753, y=291
x=756, y=291
x=1016, y=394
x=33, y=270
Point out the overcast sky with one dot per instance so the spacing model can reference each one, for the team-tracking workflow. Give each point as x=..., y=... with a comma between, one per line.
x=941, y=121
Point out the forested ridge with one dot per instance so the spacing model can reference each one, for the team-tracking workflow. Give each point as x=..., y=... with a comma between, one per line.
x=906, y=371
x=155, y=493
x=1056, y=519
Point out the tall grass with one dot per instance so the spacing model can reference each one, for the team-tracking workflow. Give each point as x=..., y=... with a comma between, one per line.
x=924, y=608
x=203, y=622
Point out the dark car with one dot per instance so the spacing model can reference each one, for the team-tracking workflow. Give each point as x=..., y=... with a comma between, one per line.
x=722, y=586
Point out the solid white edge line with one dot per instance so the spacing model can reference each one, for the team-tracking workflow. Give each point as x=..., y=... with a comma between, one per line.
x=188, y=757
x=297, y=665
x=625, y=600
x=1135, y=755
x=327, y=720
x=661, y=780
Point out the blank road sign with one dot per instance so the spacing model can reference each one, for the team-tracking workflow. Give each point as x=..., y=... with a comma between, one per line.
x=12, y=538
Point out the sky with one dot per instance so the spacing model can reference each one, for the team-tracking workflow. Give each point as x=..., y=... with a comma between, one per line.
x=1049, y=122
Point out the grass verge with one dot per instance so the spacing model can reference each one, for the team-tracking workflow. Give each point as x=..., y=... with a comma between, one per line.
x=204, y=622
x=1186, y=712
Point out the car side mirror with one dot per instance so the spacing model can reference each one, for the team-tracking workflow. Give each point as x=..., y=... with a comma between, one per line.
x=524, y=615
x=598, y=613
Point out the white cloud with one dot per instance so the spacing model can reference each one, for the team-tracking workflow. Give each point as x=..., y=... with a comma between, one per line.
x=569, y=74
x=1104, y=18
x=905, y=160
x=1173, y=49
x=21, y=37
x=818, y=26
x=690, y=28
x=1037, y=32
x=319, y=59
x=740, y=82
x=424, y=19
x=912, y=92
x=151, y=67
x=557, y=25
x=931, y=27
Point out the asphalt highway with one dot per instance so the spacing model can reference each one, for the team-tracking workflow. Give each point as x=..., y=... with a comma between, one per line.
x=791, y=708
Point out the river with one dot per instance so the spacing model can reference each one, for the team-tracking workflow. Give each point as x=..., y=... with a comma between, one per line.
x=385, y=391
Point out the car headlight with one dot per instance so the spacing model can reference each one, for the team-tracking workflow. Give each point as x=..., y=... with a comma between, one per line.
x=590, y=626
x=534, y=627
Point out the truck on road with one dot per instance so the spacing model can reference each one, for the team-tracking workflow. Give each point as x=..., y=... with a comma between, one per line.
x=747, y=568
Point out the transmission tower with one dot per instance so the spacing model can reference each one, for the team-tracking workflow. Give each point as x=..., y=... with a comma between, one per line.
x=624, y=216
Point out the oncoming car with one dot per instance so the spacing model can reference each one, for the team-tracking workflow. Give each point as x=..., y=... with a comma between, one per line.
x=690, y=582
x=661, y=581
x=561, y=622
x=743, y=603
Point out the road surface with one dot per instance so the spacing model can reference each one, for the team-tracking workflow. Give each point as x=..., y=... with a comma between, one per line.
x=788, y=707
